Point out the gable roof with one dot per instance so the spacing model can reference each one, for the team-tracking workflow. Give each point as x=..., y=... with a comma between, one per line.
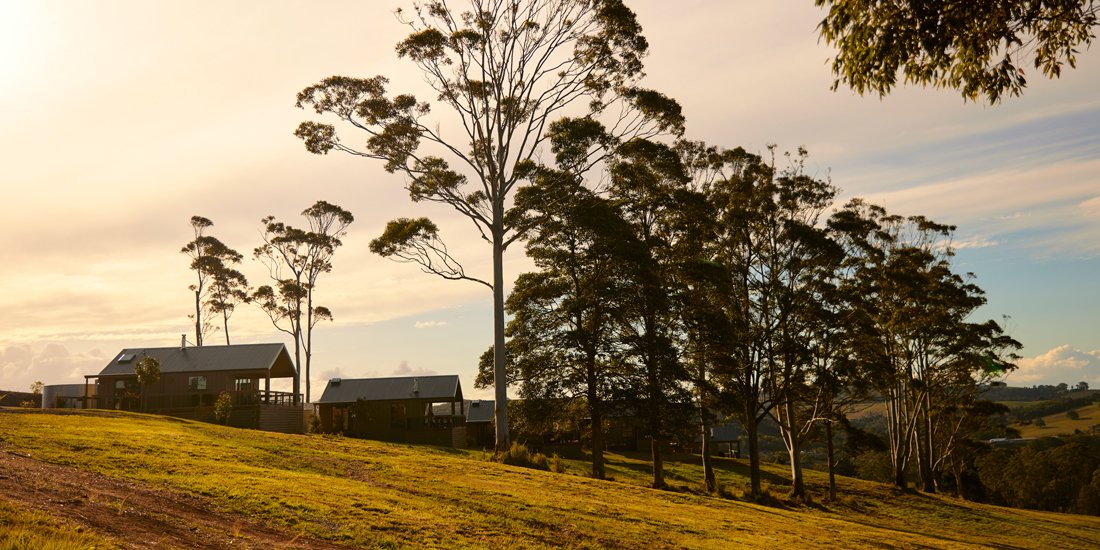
x=272, y=357
x=480, y=411
x=348, y=390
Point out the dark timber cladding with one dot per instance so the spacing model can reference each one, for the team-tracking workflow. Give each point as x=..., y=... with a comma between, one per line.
x=413, y=409
x=191, y=378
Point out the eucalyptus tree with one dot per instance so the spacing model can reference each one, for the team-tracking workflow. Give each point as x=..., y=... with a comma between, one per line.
x=723, y=303
x=795, y=260
x=504, y=71
x=209, y=259
x=295, y=259
x=910, y=327
x=228, y=288
x=565, y=316
x=645, y=180
x=980, y=47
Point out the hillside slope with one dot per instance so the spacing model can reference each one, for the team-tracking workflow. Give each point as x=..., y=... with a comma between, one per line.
x=128, y=478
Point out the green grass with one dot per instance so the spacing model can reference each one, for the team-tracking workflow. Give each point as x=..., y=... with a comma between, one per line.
x=21, y=528
x=1062, y=424
x=366, y=493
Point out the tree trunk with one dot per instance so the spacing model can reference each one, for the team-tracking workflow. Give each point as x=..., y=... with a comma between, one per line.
x=708, y=479
x=500, y=353
x=832, y=461
x=751, y=427
x=594, y=411
x=658, y=463
x=926, y=450
x=309, y=337
x=794, y=451
x=198, y=320
x=225, y=325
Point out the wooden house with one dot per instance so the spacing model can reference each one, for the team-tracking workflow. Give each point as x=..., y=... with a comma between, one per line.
x=191, y=378
x=408, y=409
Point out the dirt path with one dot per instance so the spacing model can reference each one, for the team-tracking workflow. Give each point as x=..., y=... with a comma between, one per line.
x=137, y=516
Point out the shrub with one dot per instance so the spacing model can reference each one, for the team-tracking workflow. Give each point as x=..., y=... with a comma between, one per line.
x=315, y=424
x=557, y=465
x=1072, y=415
x=28, y=404
x=519, y=455
x=223, y=407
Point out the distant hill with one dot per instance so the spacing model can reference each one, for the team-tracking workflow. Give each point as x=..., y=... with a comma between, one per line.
x=105, y=478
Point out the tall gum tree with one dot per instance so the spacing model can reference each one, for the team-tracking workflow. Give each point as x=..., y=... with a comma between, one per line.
x=295, y=259
x=505, y=70
x=210, y=259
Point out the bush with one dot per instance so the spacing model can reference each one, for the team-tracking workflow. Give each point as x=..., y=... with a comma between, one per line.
x=557, y=465
x=315, y=424
x=223, y=407
x=28, y=404
x=519, y=455
x=1072, y=415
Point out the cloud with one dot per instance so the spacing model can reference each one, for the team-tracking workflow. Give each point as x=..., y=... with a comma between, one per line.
x=403, y=369
x=22, y=364
x=430, y=324
x=1091, y=207
x=1061, y=364
x=975, y=242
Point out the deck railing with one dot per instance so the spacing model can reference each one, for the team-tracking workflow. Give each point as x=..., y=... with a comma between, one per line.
x=167, y=401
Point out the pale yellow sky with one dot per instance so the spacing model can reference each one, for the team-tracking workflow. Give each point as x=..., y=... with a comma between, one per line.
x=122, y=119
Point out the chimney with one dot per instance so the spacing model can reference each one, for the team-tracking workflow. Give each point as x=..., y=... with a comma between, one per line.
x=183, y=341
x=416, y=386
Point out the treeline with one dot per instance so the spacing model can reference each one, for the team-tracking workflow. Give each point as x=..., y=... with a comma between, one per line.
x=1056, y=474
x=691, y=274
x=1042, y=392
x=1046, y=408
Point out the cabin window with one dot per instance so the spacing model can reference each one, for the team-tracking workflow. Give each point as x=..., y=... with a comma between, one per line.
x=397, y=416
x=245, y=385
x=196, y=383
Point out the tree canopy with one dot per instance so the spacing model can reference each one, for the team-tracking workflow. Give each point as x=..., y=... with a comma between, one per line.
x=983, y=48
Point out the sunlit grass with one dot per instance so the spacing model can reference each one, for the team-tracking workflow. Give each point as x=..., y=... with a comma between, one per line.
x=371, y=494
x=1061, y=423
x=22, y=529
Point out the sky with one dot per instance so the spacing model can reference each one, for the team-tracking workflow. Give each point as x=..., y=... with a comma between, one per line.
x=121, y=119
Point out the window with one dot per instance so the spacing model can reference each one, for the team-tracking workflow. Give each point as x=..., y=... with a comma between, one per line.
x=246, y=385
x=246, y=390
x=397, y=417
x=196, y=383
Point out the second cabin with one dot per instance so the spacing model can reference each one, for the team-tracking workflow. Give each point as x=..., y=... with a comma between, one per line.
x=407, y=409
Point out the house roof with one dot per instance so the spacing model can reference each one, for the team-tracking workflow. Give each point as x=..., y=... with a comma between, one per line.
x=348, y=390
x=271, y=357
x=480, y=411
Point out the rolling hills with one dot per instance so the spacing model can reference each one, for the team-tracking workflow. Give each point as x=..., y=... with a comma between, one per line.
x=106, y=479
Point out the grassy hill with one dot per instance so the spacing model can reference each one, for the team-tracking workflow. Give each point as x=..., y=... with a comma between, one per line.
x=118, y=479
x=1062, y=423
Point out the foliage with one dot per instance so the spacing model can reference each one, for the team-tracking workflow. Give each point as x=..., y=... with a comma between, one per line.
x=218, y=287
x=1049, y=474
x=147, y=370
x=509, y=72
x=296, y=258
x=36, y=387
x=1035, y=411
x=980, y=47
x=519, y=455
x=223, y=407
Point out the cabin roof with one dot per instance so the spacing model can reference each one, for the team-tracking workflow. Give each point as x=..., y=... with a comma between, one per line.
x=271, y=357
x=348, y=390
x=480, y=411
